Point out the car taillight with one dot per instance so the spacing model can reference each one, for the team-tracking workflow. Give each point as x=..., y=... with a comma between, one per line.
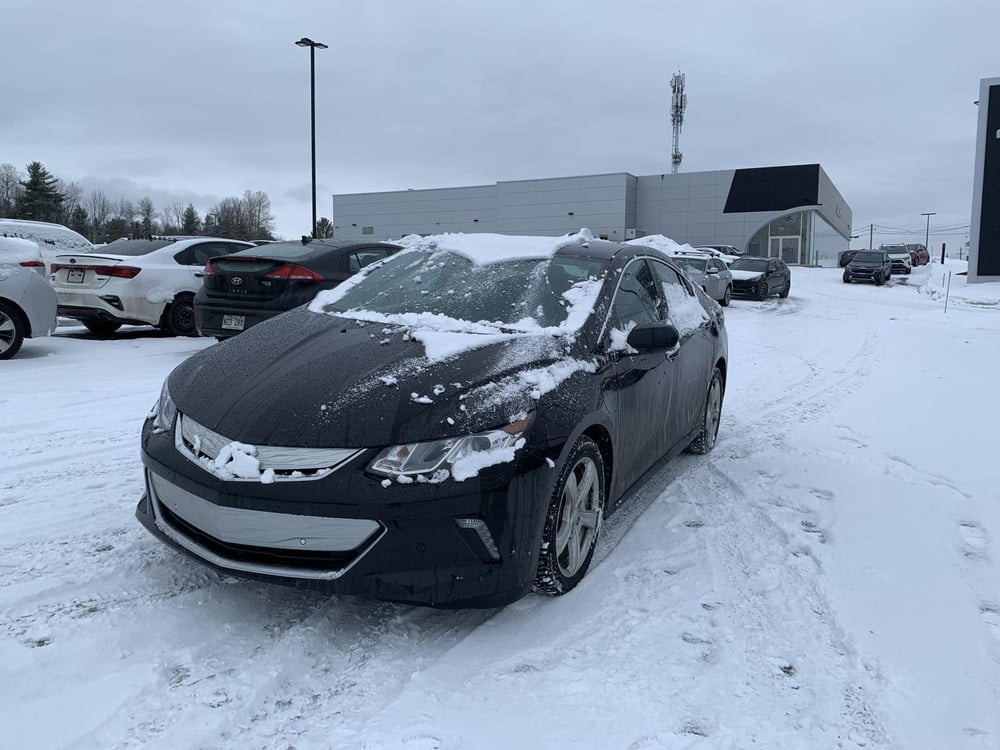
x=32, y=264
x=209, y=270
x=292, y=272
x=121, y=272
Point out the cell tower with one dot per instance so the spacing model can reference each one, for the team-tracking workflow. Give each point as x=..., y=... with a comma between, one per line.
x=678, y=103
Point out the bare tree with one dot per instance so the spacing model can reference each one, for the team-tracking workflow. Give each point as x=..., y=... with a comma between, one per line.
x=10, y=189
x=173, y=218
x=127, y=216
x=72, y=197
x=147, y=214
x=260, y=220
x=99, y=208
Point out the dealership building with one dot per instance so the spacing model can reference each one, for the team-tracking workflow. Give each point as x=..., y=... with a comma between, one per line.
x=790, y=212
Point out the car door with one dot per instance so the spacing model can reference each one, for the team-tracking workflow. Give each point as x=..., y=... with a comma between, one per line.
x=642, y=380
x=692, y=358
x=194, y=257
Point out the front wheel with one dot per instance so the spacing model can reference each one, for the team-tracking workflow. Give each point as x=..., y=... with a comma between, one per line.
x=847, y=278
x=763, y=291
x=705, y=440
x=727, y=297
x=787, y=289
x=178, y=318
x=573, y=521
x=11, y=331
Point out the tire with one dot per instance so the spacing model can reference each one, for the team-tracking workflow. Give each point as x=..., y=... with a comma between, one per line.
x=101, y=327
x=879, y=280
x=11, y=331
x=788, y=288
x=847, y=278
x=705, y=440
x=763, y=291
x=178, y=318
x=727, y=297
x=573, y=521
x=908, y=270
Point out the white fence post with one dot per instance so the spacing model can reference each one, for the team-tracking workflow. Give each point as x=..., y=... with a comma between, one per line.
x=947, y=292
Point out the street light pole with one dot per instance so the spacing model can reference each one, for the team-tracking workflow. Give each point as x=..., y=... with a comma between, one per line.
x=927, y=235
x=313, y=46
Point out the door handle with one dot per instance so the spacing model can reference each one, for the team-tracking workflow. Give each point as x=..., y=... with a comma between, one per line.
x=198, y=274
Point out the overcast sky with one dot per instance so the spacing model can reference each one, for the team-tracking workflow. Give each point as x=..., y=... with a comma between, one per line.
x=193, y=101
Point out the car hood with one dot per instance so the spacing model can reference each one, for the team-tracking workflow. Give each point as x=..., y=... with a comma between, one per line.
x=304, y=379
x=741, y=275
x=864, y=264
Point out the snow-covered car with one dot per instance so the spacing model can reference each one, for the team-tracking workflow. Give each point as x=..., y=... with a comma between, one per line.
x=899, y=254
x=730, y=250
x=447, y=427
x=760, y=277
x=710, y=273
x=52, y=239
x=137, y=282
x=27, y=302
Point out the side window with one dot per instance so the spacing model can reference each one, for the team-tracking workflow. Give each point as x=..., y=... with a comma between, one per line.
x=198, y=255
x=772, y=266
x=684, y=310
x=637, y=299
x=370, y=255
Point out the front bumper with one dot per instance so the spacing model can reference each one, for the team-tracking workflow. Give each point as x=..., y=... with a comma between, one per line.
x=863, y=274
x=747, y=288
x=208, y=317
x=345, y=533
x=900, y=266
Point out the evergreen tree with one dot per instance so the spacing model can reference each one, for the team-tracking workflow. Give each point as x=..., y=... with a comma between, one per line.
x=79, y=221
x=190, y=221
x=324, y=228
x=41, y=199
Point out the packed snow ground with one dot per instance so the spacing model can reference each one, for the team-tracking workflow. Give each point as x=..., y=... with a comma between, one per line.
x=827, y=577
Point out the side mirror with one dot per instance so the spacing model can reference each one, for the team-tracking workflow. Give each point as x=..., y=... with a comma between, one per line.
x=650, y=336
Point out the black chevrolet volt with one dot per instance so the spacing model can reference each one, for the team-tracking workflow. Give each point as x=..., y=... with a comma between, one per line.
x=449, y=427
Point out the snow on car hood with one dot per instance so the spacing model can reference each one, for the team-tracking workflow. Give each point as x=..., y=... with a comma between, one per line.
x=317, y=380
x=741, y=275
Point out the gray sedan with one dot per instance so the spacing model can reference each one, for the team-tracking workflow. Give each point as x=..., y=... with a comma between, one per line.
x=711, y=274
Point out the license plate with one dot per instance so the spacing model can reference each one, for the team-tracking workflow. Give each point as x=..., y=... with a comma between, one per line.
x=75, y=275
x=234, y=322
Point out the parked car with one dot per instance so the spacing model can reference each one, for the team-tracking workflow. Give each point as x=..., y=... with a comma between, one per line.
x=447, y=428
x=899, y=254
x=137, y=282
x=52, y=239
x=726, y=249
x=252, y=285
x=760, y=277
x=27, y=302
x=711, y=274
x=918, y=254
x=869, y=265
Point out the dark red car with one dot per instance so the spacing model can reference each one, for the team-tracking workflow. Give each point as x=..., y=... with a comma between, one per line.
x=918, y=254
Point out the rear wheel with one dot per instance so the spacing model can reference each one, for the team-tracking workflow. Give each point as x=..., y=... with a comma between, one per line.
x=705, y=440
x=101, y=327
x=11, y=331
x=573, y=521
x=727, y=297
x=788, y=287
x=178, y=318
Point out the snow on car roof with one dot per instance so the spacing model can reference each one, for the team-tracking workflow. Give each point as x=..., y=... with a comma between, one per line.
x=493, y=248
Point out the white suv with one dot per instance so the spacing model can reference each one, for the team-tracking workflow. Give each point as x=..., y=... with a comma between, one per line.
x=137, y=282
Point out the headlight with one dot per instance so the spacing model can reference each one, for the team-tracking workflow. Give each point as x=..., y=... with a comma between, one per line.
x=165, y=410
x=411, y=459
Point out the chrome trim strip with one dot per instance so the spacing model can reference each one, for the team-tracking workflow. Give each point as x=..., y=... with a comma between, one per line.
x=224, y=562
x=320, y=461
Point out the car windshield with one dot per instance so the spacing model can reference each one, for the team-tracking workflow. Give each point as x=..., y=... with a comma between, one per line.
x=132, y=247
x=868, y=257
x=898, y=250
x=519, y=294
x=749, y=264
x=691, y=264
x=283, y=250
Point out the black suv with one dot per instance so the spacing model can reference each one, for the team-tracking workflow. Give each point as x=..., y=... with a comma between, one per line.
x=869, y=265
x=760, y=277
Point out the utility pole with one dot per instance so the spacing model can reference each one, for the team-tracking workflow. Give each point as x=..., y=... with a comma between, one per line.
x=927, y=235
x=313, y=46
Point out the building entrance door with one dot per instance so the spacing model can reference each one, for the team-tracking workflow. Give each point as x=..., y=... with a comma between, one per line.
x=786, y=248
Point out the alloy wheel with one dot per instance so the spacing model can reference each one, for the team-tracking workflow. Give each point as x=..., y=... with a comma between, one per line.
x=579, y=517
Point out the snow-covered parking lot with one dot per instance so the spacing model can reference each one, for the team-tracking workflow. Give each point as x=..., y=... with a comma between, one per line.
x=826, y=578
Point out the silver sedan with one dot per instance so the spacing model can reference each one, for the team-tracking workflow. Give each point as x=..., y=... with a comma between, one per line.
x=711, y=274
x=27, y=302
